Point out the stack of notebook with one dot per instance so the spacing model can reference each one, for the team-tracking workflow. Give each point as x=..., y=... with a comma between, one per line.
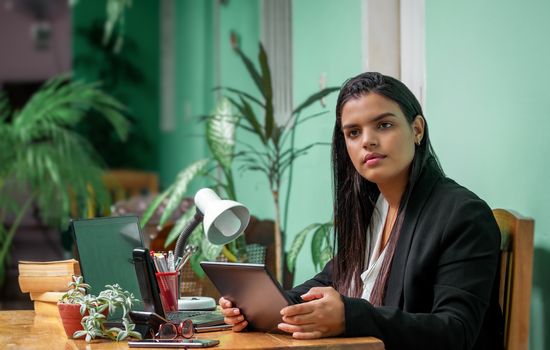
x=47, y=281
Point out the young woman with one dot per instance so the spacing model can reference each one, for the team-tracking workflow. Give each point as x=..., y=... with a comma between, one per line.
x=417, y=254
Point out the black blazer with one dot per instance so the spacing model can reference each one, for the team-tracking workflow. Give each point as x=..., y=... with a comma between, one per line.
x=442, y=291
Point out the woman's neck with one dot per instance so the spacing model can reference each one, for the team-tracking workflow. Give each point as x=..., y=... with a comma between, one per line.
x=393, y=190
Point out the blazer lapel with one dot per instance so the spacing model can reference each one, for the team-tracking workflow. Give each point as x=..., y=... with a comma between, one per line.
x=418, y=198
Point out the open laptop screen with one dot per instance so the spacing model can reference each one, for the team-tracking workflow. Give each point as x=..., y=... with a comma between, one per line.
x=104, y=248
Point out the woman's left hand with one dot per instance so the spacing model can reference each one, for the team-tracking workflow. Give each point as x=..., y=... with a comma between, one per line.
x=322, y=315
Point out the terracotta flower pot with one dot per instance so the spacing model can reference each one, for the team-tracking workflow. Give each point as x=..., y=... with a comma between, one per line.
x=71, y=317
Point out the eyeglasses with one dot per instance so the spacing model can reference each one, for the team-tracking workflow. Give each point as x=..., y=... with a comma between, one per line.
x=171, y=331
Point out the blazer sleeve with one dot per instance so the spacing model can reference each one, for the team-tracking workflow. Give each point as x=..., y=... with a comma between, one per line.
x=466, y=269
x=322, y=279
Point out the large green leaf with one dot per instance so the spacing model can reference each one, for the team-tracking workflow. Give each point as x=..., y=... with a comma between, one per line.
x=248, y=113
x=153, y=207
x=297, y=244
x=180, y=188
x=242, y=93
x=317, y=243
x=321, y=246
x=48, y=156
x=267, y=91
x=314, y=98
x=65, y=103
x=325, y=256
x=249, y=65
x=220, y=134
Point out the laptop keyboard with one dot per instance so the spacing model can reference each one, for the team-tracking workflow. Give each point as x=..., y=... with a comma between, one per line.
x=199, y=318
x=186, y=314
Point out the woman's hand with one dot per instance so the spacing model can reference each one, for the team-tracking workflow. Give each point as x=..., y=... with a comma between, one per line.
x=322, y=315
x=232, y=315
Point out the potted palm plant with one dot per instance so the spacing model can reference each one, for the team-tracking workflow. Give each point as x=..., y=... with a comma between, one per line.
x=44, y=158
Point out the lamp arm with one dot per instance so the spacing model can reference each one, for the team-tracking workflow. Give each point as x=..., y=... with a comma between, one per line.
x=184, y=235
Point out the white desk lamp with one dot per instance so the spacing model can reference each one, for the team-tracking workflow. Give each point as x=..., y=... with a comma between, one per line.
x=223, y=220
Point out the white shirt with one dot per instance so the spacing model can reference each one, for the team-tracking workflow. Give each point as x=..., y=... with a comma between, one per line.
x=373, y=256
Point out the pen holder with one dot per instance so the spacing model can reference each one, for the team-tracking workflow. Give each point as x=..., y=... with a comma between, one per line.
x=169, y=289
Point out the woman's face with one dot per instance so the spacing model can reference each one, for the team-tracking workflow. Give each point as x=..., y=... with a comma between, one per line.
x=379, y=139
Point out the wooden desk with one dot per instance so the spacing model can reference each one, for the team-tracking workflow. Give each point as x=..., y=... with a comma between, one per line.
x=22, y=330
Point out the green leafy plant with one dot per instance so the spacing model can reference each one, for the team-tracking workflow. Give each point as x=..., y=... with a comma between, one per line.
x=93, y=307
x=220, y=137
x=321, y=245
x=274, y=157
x=45, y=159
x=115, y=21
x=115, y=71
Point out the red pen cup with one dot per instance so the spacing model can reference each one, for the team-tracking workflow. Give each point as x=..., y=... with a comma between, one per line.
x=169, y=289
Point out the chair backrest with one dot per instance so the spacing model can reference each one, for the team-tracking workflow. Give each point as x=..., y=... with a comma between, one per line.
x=124, y=184
x=515, y=276
x=121, y=184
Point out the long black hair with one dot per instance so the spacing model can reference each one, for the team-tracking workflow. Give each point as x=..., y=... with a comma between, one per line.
x=355, y=196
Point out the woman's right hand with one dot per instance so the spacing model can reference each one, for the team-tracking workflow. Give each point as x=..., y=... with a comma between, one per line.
x=232, y=315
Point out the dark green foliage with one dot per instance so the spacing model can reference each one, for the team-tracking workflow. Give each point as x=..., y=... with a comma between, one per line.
x=44, y=157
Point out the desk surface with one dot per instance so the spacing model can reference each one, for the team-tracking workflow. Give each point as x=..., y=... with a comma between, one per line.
x=22, y=330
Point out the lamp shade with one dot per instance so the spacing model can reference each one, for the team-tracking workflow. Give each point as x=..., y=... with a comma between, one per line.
x=224, y=220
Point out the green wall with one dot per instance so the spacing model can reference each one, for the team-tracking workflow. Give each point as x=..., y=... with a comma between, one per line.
x=194, y=79
x=198, y=39
x=243, y=18
x=488, y=101
x=326, y=40
x=141, y=99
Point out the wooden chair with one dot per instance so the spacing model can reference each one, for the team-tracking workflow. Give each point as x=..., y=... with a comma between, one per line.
x=515, y=276
x=121, y=184
x=124, y=184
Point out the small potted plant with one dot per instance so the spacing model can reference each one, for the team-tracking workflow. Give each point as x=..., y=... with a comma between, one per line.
x=84, y=315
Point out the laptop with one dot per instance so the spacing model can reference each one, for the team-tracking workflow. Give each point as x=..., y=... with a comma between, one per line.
x=105, y=249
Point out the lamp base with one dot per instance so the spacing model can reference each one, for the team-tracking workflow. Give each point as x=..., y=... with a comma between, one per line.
x=197, y=303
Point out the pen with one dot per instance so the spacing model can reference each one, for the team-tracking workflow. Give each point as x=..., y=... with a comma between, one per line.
x=170, y=261
x=184, y=260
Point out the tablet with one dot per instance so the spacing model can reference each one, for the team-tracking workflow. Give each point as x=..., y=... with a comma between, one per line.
x=251, y=288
